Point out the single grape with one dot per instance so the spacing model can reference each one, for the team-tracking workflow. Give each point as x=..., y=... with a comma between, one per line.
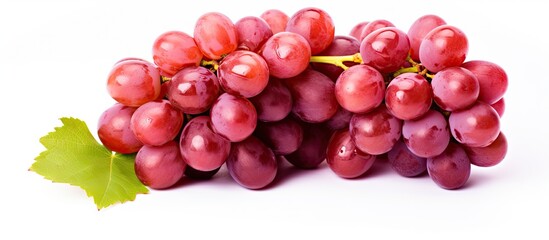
x=360, y=88
x=313, y=96
x=287, y=54
x=404, y=162
x=491, y=78
x=252, y=33
x=199, y=175
x=451, y=169
x=274, y=103
x=173, y=51
x=233, y=117
x=243, y=73
x=252, y=164
x=477, y=126
x=312, y=151
x=340, y=120
x=134, y=82
x=283, y=137
x=276, y=19
x=341, y=46
x=357, y=30
x=490, y=155
x=156, y=123
x=159, y=167
x=201, y=147
x=193, y=90
x=375, y=132
x=385, y=49
x=408, y=96
x=499, y=106
x=372, y=26
x=315, y=25
x=344, y=159
x=443, y=47
x=215, y=35
x=419, y=29
x=426, y=136
x=114, y=129
x=455, y=88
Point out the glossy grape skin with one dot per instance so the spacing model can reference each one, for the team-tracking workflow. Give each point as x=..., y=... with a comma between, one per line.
x=274, y=103
x=201, y=147
x=215, y=35
x=341, y=46
x=276, y=19
x=408, y=96
x=312, y=151
x=114, y=130
x=451, y=169
x=156, y=123
x=283, y=137
x=287, y=54
x=134, y=82
x=443, y=47
x=375, y=132
x=340, y=120
x=426, y=136
x=233, y=117
x=357, y=30
x=372, y=26
x=404, y=162
x=199, y=175
x=491, y=78
x=193, y=90
x=252, y=33
x=499, y=106
x=313, y=96
x=490, y=155
x=344, y=159
x=315, y=25
x=252, y=164
x=173, y=51
x=243, y=73
x=385, y=49
x=477, y=126
x=455, y=88
x=419, y=29
x=360, y=88
x=159, y=167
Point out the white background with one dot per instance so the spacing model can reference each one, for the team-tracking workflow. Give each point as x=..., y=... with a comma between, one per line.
x=54, y=59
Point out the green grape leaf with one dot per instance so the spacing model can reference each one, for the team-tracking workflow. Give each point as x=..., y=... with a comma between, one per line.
x=73, y=156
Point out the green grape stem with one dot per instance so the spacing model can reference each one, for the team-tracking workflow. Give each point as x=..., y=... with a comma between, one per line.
x=337, y=60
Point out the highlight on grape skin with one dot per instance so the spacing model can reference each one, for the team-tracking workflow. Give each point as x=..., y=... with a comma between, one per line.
x=284, y=87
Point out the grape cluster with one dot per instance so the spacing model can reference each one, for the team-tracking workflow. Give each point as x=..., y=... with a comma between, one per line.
x=275, y=88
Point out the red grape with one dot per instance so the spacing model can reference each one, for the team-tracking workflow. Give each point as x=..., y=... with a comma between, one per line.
x=312, y=151
x=385, y=49
x=408, y=96
x=287, y=54
x=357, y=30
x=404, y=162
x=156, y=123
x=283, y=137
x=344, y=158
x=491, y=78
x=252, y=33
x=252, y=164
x=372, y=26
x=455, y=88
x=490, y=155
x=315, y=25
x=276, y=19
x=159, y=167
x=243, y=73
x=114, y=130
x=419, y=29
x=215, y=35
x=233, y=117
x=451, y=169
x=274, y=103
x=477, y=126
x=193, y=90
x=360, y=88
x=426, y=136
x=443, y=47
x=134, y=82
x=375, y=132
x=172, y=51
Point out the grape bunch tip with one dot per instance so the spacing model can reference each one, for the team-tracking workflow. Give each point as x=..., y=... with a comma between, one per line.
x=275, y=88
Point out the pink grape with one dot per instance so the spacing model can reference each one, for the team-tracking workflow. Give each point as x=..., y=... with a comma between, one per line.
x=252, y=164
x=404, y=162
x=372, y=26
x=385, y=49
x=360, y=88
x=315, y=25
x=491, y=78
x=173, y=51
x=243, y=73
x=340, y=120
x=159, y=167
x=276, y=19
x=274, y=103
x=215, y=35
x=312, y=151
x=193, y=90
x=477, y=126
x=287, y=54
x=201, y=147
x=443, y=47
x=455, y=88
x=375, y=132
x=426, y=136
x=283, y=137
x=451, y=169
x=252, y=33
x=419, y=29
x=490, y=155
x=344, y=158
x=233, y=117
x=156, y=123
x=114, y=130
x=134, y=82
x=408, y=96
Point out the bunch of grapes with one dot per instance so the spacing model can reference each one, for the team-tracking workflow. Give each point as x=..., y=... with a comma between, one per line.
x=274, y=88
